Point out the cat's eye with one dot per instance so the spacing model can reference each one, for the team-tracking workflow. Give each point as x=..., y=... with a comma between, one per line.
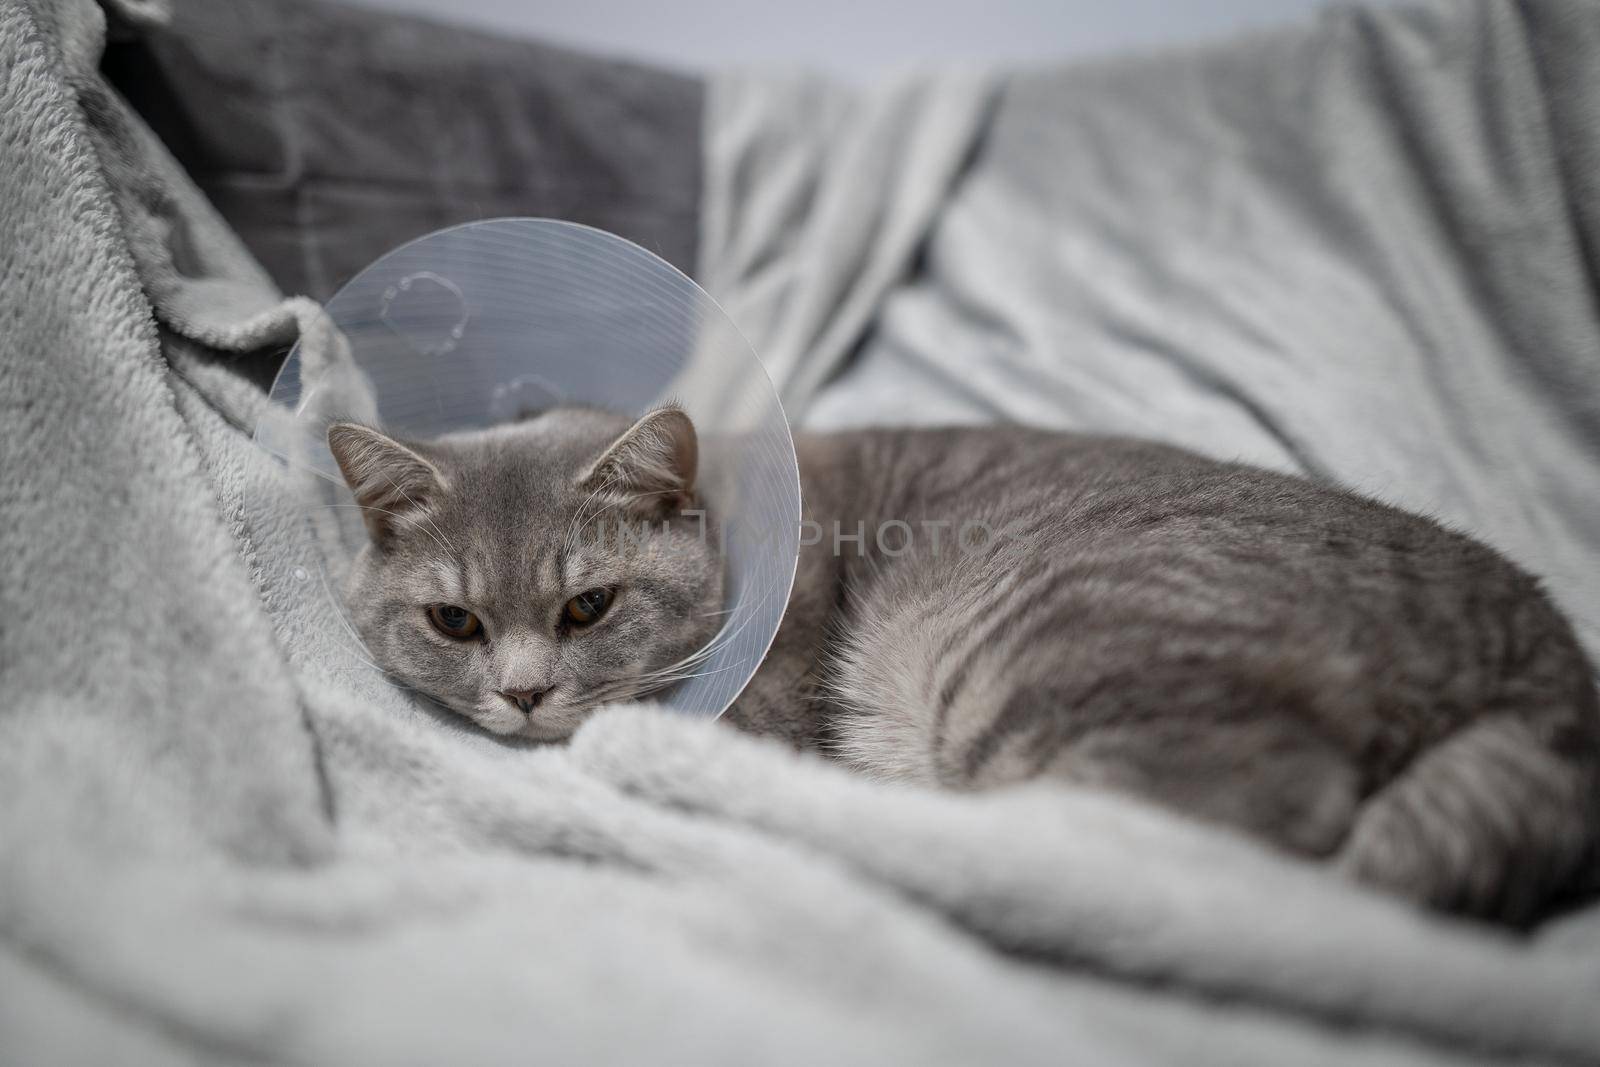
x=455, y=622
x=587, y=607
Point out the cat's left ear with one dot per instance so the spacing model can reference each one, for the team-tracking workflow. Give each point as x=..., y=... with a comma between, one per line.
x=653, y=463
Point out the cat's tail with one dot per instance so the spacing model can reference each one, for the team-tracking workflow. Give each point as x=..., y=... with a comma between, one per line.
x=1493, y=821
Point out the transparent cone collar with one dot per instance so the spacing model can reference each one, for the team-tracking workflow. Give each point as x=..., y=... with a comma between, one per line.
x=481, y=324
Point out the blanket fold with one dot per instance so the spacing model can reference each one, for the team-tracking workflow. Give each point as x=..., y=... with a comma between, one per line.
x=1361, y=249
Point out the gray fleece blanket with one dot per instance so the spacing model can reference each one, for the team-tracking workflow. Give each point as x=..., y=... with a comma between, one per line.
x=1363, y=249
x=221, y=841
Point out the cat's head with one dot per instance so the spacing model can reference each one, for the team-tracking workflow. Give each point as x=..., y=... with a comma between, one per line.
x=524, y=575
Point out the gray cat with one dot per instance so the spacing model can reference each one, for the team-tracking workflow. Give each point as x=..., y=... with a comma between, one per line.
x=484, y=587
x=1336, y=676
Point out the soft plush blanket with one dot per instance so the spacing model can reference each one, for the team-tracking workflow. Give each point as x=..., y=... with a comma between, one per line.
x=222, y=840
x=1363, y=249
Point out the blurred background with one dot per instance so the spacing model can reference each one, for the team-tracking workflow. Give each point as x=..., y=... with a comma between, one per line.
x=848, y=38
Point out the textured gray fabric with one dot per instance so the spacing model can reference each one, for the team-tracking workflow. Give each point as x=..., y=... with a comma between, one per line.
x=816, y=198
x=221, y=841
x=1363, y=249
x=327, y=135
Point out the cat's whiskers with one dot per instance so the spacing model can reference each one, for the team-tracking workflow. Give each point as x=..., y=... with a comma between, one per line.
x=686, y=675
x=699, y=655
x=617, y=503
x=443, y=547
x=421, y=512
x=681, y=670
x=644, y=685
x=579, y=521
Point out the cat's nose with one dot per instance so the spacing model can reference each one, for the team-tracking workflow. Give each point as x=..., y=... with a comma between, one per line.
x=526, y=699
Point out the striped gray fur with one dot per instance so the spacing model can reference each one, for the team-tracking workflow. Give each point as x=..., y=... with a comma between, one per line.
x=1338, y=677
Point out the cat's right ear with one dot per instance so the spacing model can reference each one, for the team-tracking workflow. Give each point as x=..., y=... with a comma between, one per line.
x=394, y=485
